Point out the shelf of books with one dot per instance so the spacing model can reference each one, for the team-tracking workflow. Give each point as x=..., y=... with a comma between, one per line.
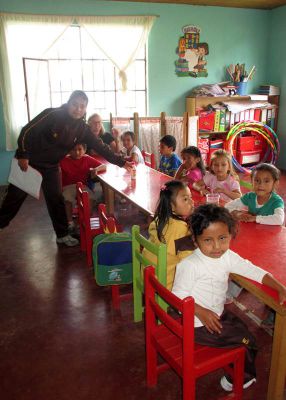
x=215, y=116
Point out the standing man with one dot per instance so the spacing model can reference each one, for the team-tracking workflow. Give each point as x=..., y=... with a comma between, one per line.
x=42, y=143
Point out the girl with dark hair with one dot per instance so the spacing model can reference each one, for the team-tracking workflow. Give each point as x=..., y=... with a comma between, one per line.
x=130, y=151
x=170, y=225
x=42, y=143
x=192, y=170
x=204, y=276
x=263, y=205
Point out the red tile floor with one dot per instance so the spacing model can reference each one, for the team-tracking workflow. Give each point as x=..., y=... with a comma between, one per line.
x=60, y=339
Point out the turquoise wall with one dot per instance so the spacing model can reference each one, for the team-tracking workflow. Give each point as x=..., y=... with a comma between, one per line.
x=275, y=71
x=233, y=35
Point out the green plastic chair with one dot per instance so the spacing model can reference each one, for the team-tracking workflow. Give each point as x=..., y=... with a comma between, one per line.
x=139, y=261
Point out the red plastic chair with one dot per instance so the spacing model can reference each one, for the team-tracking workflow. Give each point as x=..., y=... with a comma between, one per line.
x=173, y=339
x=89, y=226
x=149, y=159
x=110, y=225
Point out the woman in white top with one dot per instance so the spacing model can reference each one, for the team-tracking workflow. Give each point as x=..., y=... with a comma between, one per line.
x=130, y=151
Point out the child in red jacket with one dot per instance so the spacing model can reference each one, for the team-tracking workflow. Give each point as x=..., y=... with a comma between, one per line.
x=77, y=167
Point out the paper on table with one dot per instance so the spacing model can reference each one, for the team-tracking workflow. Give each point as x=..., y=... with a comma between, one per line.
x=29, y=181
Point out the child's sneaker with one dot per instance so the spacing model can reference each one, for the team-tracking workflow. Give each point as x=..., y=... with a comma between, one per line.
x=228, y=386
x=68, y=240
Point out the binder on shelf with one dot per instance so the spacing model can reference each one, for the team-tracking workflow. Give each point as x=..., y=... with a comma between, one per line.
x=257, y=114
x=263, y=117
x=227, y=120
x=217, y=120
x=236, y=118
x=268, y=116
x=241, y=116
x=206, y=121
x=222, y=120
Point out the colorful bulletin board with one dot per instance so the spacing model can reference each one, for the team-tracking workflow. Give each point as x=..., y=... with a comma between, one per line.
x=192, y=53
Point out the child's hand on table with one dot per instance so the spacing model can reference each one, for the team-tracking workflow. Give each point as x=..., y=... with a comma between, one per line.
x=209, y=319
x=204, y=191
x=219, y=190
x=128, y=166
x=243, y=216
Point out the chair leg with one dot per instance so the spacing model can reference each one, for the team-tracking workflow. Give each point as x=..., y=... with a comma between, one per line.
x=238, y=376
x=88, y=252
x=82, y=240
x=189, y=388
x=115, y=296
x=137, y=303
x=151, y=363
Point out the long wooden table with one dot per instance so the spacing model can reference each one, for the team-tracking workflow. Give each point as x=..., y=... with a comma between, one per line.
x=143, y=191
x=265, y=246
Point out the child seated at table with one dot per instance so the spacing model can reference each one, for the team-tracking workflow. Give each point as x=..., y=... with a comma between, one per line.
x=169, y=161
x=170, y=225
x=263, y=205
x=77, y=167
x=204, y=276
x=192, y=170
x=130, y=151
x=221, y=178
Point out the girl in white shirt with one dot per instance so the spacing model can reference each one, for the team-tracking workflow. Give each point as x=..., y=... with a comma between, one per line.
x=130, y=151
x=204, y=276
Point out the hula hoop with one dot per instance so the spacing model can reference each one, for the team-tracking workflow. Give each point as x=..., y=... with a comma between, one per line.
x=265, y=131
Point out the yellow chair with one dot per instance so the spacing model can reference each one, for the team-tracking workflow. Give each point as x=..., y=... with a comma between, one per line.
x=139, y=262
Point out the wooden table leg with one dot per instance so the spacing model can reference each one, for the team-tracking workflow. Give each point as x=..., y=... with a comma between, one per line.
x=109, y=199
x=278, y=360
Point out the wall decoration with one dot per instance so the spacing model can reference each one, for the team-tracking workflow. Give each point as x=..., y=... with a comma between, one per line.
x=191, y=52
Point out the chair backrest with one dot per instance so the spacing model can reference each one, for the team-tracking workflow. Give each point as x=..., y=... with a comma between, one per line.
x=182, y=327
x=83, y=208
x=149, y=159
x=107, y=223
x=139, y=243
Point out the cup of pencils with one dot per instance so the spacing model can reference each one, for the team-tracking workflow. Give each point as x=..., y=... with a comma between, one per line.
x=240, y=77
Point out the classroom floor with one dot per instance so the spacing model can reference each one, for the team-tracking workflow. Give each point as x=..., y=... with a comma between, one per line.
x=60, y=339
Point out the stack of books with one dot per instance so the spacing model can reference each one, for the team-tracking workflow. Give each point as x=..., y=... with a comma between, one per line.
x=270, y=90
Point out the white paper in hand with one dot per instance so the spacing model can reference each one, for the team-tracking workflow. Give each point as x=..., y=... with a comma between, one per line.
x=29, y=181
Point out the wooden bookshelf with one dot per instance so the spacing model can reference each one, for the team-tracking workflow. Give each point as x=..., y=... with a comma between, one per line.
x=193, y=104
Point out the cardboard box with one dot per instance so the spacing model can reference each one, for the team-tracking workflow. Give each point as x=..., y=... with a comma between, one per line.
x=248, y=157
x=249, y=143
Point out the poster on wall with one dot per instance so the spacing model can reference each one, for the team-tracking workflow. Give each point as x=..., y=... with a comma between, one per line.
x=192, y=53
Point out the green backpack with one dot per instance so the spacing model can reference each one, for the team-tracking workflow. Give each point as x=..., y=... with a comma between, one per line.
x=112, y=258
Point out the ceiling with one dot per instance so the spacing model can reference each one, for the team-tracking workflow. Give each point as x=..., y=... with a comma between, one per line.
x=258, y=4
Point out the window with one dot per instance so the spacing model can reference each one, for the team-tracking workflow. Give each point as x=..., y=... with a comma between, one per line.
x=75, y=62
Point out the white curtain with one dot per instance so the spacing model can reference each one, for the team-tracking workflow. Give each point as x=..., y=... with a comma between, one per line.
x=175, y=127
x=22, y=36
x=122, y=124
x=33, y=36
x=120, y=38
x=149, y=135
